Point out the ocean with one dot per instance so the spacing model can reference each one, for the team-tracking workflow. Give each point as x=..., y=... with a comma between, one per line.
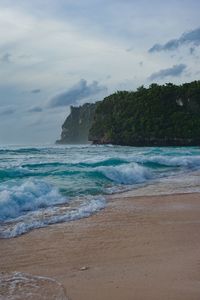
x=43, y=185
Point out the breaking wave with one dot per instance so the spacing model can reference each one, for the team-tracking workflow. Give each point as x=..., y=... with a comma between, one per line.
x=35, y=204
x=126, y=174
x=31, y=195
x=44, y=185
x=180, y=161
x=41, y=218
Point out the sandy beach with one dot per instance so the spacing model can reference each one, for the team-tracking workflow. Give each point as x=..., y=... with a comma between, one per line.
x=137, y=248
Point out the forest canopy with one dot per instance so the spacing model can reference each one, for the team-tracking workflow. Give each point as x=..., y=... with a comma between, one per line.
x=158, y=115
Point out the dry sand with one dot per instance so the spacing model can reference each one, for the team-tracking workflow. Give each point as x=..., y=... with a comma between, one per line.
x=136, y=249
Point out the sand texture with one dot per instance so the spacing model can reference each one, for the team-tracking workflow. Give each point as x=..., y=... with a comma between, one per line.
x=136, y=249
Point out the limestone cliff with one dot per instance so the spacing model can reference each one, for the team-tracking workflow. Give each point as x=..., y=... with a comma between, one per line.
x=76, y=127
x=160, y=115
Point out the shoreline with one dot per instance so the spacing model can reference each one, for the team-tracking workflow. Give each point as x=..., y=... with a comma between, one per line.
x=141, y=247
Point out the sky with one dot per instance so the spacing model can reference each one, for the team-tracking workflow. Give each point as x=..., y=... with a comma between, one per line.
x=54, y=54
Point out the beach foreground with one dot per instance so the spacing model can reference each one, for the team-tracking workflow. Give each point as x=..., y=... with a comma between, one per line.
x=137, y=248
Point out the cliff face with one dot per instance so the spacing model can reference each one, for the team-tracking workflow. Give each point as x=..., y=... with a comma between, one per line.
x=161, y=115
x=75, y=129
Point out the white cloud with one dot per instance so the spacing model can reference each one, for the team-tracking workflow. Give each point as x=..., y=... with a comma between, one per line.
x=43, y=51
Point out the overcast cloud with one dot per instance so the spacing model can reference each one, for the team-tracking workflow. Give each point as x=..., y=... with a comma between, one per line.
x=5, y=58
x=7, y=110
x=36, y=91
x=188, y=38
x=35, y=109
x=81, y=90
x=47, y=47
x=174, y=71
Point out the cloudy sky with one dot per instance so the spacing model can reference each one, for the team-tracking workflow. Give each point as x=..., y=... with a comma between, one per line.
x=54, y=54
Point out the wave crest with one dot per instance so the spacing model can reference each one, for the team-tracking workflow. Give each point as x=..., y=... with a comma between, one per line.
x=30, y=195
x=41, y=218
x=181, y=161
x=126, y=174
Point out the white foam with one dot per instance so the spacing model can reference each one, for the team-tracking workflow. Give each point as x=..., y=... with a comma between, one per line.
x=57, y=214
x=179, y=184
x=17, y=285
x=31, y=195
x=126, y=174
x=182, y=161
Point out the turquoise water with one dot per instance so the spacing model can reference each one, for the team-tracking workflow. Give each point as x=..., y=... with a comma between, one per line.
x=45, y=185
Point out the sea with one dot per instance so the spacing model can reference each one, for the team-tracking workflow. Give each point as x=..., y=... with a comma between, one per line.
x=44, y=185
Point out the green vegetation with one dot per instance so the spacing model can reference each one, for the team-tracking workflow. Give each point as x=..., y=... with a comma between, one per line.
x=161, y=115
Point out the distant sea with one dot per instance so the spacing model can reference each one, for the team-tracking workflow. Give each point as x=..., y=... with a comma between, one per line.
x=43, y=185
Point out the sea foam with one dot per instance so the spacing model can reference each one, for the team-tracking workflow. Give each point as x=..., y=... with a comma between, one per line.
x=44, y=185
x=35, y=204
x=31, y=195
x=126, y=174
x=49, y=216
x=179, y=161
x=17, y=285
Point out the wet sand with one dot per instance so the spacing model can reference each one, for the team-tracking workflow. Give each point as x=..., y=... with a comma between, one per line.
x=136, y=249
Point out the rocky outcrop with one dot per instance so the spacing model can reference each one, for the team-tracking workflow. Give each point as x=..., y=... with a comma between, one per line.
x=161, y=115
x=75, y=129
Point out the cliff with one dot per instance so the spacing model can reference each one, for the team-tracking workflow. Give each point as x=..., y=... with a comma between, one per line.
x=161, y=115
x=75, y=129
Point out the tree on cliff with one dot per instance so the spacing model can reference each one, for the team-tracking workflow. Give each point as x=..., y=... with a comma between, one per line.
x=159, y=115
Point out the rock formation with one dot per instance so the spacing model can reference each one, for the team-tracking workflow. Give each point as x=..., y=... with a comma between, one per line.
x=75, y=129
